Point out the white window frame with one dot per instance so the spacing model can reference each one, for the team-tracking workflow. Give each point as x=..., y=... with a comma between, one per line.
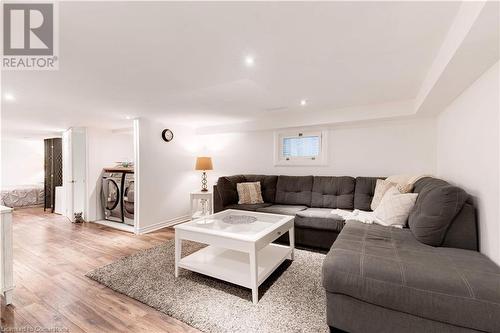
x=280, y=160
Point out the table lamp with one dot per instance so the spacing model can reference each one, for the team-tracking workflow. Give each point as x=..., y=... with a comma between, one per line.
x=203, y=163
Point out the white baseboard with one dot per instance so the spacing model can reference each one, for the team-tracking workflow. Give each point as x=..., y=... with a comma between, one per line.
x=116, y=225
x=162, y=224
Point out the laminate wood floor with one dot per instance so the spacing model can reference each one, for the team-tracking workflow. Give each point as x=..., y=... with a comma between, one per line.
x=51, y=256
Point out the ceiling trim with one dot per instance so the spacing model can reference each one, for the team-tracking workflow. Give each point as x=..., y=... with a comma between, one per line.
x=470, y=48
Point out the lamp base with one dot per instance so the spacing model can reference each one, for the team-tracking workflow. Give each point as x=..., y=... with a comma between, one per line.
x=204, y=182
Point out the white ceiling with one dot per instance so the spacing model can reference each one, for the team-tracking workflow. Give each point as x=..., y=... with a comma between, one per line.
x=184, y=62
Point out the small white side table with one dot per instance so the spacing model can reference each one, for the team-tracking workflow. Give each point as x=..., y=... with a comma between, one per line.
x=199, y=195
x=6, y=260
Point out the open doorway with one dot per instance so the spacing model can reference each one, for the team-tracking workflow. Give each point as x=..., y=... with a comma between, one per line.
x=31, y=174
x=45, y=175
x=111, y=178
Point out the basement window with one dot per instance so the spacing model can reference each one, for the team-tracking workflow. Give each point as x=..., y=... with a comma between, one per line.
x=300, y=148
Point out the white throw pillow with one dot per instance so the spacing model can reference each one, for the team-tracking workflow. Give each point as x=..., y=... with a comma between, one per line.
x=380, y=188
x=249, y=193
x=395, y=208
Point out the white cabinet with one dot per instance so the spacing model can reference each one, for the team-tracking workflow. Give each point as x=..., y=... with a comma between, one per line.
x=59, y=205
x=6, y=260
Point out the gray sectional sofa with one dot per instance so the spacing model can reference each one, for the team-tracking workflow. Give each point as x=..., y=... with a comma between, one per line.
x=309, y=198
x=428, y=277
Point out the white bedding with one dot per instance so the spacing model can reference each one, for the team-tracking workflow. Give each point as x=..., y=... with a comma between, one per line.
x=22, y=196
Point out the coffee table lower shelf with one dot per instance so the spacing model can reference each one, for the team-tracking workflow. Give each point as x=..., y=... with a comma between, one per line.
x=234, y=266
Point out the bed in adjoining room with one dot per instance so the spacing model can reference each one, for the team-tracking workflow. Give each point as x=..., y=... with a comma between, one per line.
x=22, y=196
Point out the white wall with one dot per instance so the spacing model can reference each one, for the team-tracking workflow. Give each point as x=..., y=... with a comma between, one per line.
x=165, y=171
x=164, y=174
x=22, y=161
x=104, y=149
x=371, y=149
x=468, y=151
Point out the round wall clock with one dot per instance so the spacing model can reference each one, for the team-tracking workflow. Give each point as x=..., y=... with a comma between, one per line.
x=167, y=135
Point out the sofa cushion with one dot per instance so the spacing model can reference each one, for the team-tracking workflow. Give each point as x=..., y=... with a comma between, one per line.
x=226, y=186
x=388, y=267
x=267, y=185
x=294, y=190
x=319, y=219
x=437, y=205
x=363, y=194
x=252, y=207
x=282, y=209
x=333, y=192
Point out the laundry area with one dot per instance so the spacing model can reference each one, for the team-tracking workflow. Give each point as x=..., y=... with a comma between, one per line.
x=111, y=185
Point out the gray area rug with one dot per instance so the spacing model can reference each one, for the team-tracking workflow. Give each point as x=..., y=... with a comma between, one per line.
x=291, y=300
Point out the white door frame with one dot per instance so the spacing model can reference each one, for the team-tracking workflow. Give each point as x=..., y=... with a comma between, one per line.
x=137, y=177
x=69, y=180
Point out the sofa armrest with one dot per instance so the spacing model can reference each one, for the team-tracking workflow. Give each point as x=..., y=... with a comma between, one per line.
x=218, y=205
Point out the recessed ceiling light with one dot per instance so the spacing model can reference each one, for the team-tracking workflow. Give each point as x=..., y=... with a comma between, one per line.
x=9, y=97
x=249, y=61
x=128, y=117
x=303, y=102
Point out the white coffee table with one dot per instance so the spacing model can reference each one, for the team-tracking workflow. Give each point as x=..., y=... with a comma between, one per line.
x=238, y=253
